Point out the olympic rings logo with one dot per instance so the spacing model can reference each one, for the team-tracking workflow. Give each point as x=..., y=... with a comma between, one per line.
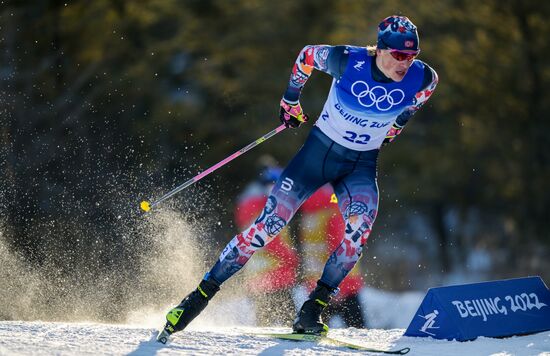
x=377, y=95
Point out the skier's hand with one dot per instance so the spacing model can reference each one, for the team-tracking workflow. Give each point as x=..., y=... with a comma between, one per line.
x=393, y=132
x=291, y=114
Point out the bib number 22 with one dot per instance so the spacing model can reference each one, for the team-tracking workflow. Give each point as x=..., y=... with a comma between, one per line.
x=355, y=138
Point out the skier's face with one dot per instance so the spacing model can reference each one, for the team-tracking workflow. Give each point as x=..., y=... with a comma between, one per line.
x=394, y=64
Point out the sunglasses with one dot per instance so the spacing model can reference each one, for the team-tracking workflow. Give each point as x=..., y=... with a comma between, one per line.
x=403, y=56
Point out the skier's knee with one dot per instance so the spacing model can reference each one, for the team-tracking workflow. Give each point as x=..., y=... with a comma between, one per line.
x=357, y=236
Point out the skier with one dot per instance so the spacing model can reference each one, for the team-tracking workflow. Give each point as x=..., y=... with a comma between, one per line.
x=374, y=93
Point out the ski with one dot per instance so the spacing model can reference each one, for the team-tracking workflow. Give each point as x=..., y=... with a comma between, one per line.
x=332, y=341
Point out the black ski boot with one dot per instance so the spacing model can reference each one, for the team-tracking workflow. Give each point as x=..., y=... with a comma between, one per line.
x=308, y=320
x=180, y=316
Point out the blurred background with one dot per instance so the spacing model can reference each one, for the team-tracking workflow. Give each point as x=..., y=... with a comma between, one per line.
x=109, y=102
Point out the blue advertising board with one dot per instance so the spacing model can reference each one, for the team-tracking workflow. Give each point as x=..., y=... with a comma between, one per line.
x=494, y=309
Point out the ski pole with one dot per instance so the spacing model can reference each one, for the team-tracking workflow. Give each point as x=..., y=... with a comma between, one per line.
x=146, y=206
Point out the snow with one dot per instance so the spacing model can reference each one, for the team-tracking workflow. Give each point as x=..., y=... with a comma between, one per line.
x=226, y=328
x=55, y=338
x=387, y=310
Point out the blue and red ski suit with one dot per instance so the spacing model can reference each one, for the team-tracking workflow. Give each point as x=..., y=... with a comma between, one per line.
x=363, y=108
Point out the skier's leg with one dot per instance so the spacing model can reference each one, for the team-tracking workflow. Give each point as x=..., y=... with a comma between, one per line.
x=302, y=177
x=358, y=201
x=260, y=233
x=357, y=194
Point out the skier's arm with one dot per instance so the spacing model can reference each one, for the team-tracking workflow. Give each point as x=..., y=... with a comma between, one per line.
x=329, y=59
x=427, y=88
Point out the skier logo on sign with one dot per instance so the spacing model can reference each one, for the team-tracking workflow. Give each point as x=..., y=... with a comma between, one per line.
x=430, y=321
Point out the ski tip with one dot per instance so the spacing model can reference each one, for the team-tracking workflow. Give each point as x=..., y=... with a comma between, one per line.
x=163, y=336
x=404, y=351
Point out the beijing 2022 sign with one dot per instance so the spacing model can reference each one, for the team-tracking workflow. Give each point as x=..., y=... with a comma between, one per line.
x=494, y=309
